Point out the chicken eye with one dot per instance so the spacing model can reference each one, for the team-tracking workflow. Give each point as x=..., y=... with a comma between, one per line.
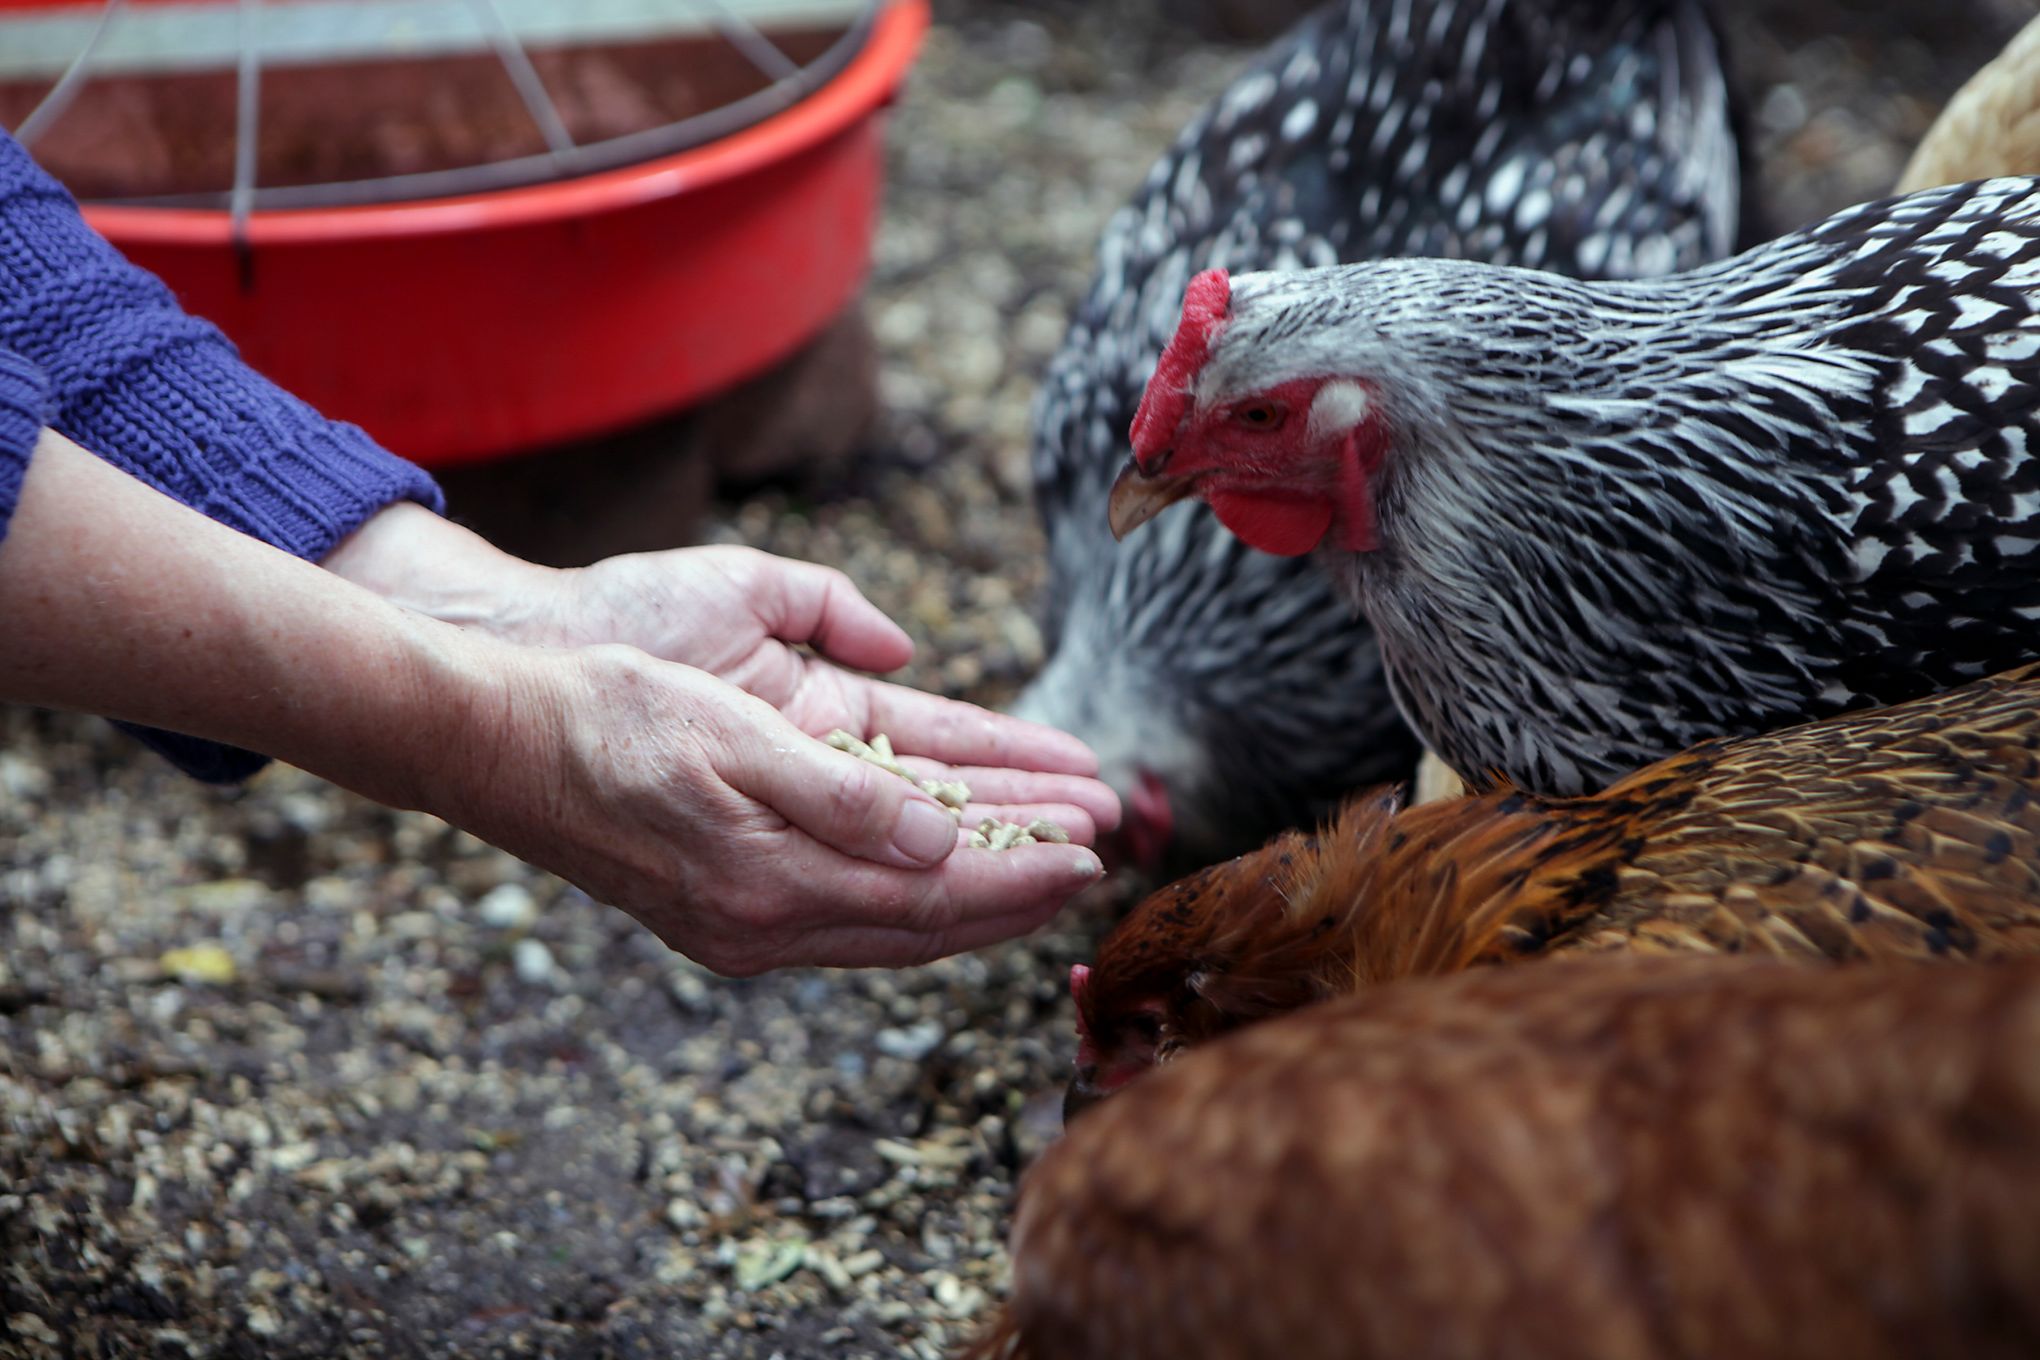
x=1259, y=415
x=1145, y=1026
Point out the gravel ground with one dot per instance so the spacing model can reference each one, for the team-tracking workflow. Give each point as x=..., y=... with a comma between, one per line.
x=286, y=1074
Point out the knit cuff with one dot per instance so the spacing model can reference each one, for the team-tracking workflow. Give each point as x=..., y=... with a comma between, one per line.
x=24, y=410
x=194, y=420
x=258, y=458
x=163, y=395
x=212, y=761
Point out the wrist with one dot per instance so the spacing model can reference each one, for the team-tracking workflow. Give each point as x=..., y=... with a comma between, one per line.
x=424, y=562
x=459, y=695
x=123, y=602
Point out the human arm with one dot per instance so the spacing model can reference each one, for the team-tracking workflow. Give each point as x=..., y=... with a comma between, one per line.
x=649, y=784
x=120, y=368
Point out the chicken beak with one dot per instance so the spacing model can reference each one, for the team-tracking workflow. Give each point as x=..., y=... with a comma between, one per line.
x=1138, y=497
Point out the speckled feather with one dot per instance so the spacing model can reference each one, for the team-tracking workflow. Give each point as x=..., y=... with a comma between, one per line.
x=1620, y=518
x=1588, y=138
x=1910, y=832
x=1580, y=1160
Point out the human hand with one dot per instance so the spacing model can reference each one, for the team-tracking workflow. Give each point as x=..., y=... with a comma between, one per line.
x=740, y=842
x=743, y=616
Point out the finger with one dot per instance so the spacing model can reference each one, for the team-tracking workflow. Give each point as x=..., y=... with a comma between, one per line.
x=957, y=733
x=803, y=602
x=1074, y=821
x=847, y=804
x=962, y=889
x=987, y=785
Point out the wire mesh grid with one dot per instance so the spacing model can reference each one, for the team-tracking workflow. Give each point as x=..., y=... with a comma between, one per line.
x=497, y=31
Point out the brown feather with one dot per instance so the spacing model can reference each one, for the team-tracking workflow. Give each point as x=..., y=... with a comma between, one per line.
x=1991, y=126
x=1587, y=1158
x=1912, y=831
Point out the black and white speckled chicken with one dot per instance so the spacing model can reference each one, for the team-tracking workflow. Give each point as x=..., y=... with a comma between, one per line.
x=1228, y=693
x=1594, y=524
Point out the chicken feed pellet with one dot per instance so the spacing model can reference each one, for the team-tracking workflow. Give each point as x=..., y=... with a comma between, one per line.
x=954, y=794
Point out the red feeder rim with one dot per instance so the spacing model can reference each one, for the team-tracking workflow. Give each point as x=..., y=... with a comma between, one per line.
x=633, y=291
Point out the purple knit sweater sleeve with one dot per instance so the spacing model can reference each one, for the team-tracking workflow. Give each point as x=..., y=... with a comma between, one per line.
x=24, y=410
x=163, y=395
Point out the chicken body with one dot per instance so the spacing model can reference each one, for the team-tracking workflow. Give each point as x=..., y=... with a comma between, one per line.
x=1910, y=832
x=1596, y=523
x=1228, y=693
x=1579, y=1160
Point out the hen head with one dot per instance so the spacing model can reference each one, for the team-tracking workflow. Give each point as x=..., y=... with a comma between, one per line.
x=1237, y=942
x=1260, y=421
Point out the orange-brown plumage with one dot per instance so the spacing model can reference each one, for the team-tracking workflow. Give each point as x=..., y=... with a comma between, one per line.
x=1912, y=831
x=1991, y=126
x=1585, y=1158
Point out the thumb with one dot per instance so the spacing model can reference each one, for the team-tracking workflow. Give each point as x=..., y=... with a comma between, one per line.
x=845, y=803
x=803, y=602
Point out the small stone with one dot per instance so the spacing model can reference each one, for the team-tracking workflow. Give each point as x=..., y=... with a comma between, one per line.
x=305, y=812
x=534, y=962
x=912, y=1043
x=689, y=992
x=23, y=781
x=508, y=907
x=956, y=1298
x=677, y=1266
x=293, y=1157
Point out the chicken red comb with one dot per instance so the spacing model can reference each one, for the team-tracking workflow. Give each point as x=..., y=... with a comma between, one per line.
x=1079, y=975
x=1205, y=304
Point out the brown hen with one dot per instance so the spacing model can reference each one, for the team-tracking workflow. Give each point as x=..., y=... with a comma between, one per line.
x=1912, y=831
x=1991, y=126
x=1585, y=1159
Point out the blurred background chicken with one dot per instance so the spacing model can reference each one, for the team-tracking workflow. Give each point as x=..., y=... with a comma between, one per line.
x=1584, y=1160
x=1991, y=126
x=1230, y=694
x=1906, y=832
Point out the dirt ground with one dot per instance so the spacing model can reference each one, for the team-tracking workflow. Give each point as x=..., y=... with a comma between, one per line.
x=400, y=1095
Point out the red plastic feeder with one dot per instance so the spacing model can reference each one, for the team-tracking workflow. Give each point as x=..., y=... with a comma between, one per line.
x=456, y=327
